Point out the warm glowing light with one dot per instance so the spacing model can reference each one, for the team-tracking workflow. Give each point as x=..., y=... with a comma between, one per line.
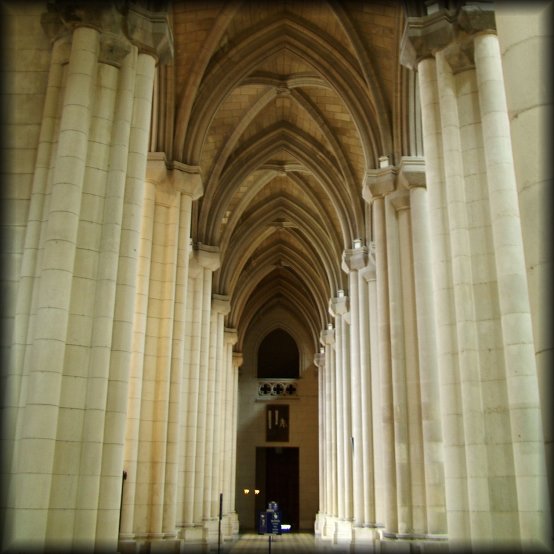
x=256, y=491
x=246, y=491
x=357, y=243
x=340, y=293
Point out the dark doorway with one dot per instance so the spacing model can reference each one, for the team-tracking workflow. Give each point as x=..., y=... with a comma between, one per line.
x=277, y=480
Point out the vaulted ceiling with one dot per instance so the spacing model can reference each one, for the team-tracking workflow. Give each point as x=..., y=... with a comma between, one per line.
x=283, y=106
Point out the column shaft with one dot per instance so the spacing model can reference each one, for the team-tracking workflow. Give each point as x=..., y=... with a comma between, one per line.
x=199, y=486
x=192, y=369
x=39, y=425
x=356, y=400
x=428, y=365
x=517, y=332
x=368, y=466
x=466, y=334
x=387, y=414
x=174, y=440
x=339, y=385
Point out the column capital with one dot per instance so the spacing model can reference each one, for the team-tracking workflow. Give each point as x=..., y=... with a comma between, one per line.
x=120, y=26
x=176, y=176
x=401, y=200
x=187, y=179
x=221, y=304
x=423, y=36
x=207, y=256
x=327, y=337
x=378, y=183
x=150, y=31
x=319, y=360
x=411, y=172
x=230, y=336
x=338, y=306
x=368, y=272
x=238, y=359
x=354, y=259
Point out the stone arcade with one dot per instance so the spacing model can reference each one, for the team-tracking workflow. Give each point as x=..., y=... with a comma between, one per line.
x=330, y=213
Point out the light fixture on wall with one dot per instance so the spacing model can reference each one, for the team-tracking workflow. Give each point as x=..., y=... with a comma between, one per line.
x=246, y=491
x=321, y=350
x=329, y=326
x=256, y=491
x=340, y=293
x=357, y=243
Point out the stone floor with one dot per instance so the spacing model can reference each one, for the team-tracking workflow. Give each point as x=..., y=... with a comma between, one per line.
x=293, y=543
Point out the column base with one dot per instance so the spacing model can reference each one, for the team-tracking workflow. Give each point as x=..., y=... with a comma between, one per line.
x=319, y=524
x=365, y=535
x=343, y=532
x=230, y=526
x=211, y=530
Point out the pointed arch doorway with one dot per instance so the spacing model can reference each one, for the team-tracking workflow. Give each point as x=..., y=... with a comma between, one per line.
x=277, y=479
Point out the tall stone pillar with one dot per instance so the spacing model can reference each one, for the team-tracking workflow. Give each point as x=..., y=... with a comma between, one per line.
x=369, y=450
x=412, y=176
x=524, y=34
x=330, y=415
x=184, y=181
x=319, y=362
x=354, y=260
x=378, y=183
x=343, y=531
x=237, y=362
x=220, y=308
x=190, y=527
x=80, y=261
x=515, y=313
x=229, y=434
x=484, y=330
x=208, y=258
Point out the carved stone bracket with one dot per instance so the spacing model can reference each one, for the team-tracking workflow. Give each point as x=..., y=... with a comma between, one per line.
x=423, y=36
x=150, y=32
x=120, y=24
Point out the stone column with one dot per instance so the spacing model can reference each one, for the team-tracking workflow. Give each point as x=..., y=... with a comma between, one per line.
x=515, y=316
x=524, y=35
x=237, y=362
x=19, y=359
x=190, y=400
x=339, y=408
x=231, y=338
x=319, y=362
x=186, y=182
x=338, y=308
x=412, y=176
x=353, y=260
x=369, y=275
x=377, y=184
x=328, y=339
x=208, y=258
x=367, y=369
x=221, y=307
x=33, y=480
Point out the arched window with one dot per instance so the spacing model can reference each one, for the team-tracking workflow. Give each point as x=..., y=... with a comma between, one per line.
x=278, y=356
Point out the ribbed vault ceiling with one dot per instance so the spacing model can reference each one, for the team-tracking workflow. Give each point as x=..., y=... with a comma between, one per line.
x=283, y=106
